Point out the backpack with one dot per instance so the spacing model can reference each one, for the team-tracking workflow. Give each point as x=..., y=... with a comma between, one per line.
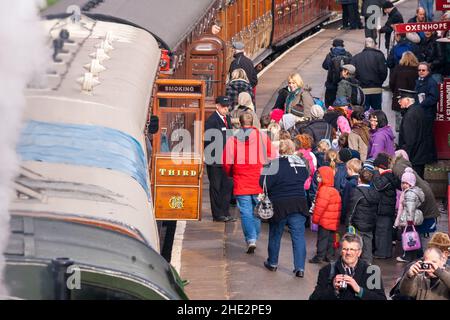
x=335, y=69
x=358, y=97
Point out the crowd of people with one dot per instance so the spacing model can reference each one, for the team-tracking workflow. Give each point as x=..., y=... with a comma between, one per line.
x=334, y=166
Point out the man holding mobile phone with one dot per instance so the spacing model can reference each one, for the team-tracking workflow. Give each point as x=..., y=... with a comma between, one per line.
x=427, y=279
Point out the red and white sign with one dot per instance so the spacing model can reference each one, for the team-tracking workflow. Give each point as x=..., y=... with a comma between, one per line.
x=442, y=5
x=422, y=26
x=443, y=112
x=441, y=126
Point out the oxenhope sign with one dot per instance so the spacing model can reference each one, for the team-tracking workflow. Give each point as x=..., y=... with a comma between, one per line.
x=442, y=5
x=422, y=26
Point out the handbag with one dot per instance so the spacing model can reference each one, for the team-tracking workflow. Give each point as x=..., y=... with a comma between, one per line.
x=314, y=226
x=410, y=239
x=298, y=110
x=264, y=208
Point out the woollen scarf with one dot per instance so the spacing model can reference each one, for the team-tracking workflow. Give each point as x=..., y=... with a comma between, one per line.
x=291, y=98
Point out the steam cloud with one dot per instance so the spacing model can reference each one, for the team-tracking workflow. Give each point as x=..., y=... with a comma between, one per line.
x=22, y=56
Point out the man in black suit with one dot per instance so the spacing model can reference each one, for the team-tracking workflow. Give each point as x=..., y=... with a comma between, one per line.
x=220, y=186
x=414, y=138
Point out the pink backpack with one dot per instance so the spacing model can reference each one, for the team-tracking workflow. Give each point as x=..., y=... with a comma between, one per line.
x=307, y=155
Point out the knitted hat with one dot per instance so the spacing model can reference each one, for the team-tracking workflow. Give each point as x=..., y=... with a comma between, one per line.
x=401, y=153
x=440, y=240
x=345, y=154
x=317, y=112
x=338, y=42
x=276, y=115
x=409, y=177
x=287, y=121
x=368, y=164
x=382, y=161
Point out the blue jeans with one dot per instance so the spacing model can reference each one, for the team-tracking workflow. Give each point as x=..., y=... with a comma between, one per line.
x=373, y=100
x=251, y=225
x=296, y=224
x=428, y=5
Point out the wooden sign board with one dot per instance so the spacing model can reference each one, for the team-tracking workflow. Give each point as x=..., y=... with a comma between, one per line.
x=177, y=189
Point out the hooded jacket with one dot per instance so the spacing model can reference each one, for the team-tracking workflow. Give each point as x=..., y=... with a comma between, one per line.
x=429, y=206
x=327, y=209
x=334, y=52
x=386, y=184
x=414, y=197
x=243, y=158
x=363, y=208
x=381, y=140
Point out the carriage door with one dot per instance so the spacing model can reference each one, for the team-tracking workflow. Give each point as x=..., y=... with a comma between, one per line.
x=206, y=61
x=178, y=149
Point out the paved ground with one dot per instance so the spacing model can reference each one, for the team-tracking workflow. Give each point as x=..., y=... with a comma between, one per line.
x=213, y=256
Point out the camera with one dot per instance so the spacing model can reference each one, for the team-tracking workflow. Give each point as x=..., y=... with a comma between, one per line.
x=425, y=266
x=343, y=285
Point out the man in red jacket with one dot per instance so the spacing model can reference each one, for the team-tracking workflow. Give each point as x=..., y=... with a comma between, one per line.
x=243, y=159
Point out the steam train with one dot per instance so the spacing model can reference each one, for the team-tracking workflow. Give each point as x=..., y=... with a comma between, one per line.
x=184, y=30
x=82, y=218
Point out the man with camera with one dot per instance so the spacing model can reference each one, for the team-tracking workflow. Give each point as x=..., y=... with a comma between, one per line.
x=349, y=278
x=427, y=279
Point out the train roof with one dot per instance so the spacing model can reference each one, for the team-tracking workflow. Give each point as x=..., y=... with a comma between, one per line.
x=170, y=20
x=84, y=152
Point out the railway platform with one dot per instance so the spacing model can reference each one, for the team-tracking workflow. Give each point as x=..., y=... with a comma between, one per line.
x=211, y=255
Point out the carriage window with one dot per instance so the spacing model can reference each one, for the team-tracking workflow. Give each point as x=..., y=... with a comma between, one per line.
x=209, y=80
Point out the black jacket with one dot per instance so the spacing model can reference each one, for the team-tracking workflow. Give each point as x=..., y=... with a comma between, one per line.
x=288, y=180
x=215, y=122
x=327, y=64
x=430, y=88
x=241, y=61
x=431, y=51
x=402, y=77
x=363, y=208
x=325, y=291
x=394, y=17
x=412, y=137
x=386, y=184
x=371, y=69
